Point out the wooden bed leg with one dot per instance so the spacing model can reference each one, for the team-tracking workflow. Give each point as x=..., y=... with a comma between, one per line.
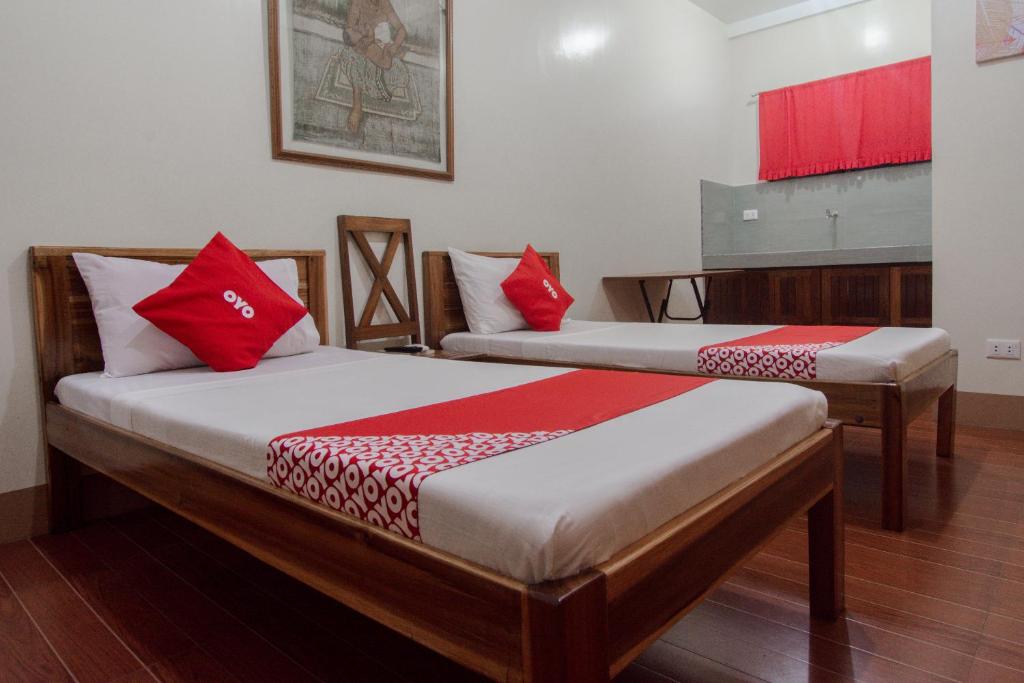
x=826, y=546
x=894, y=462
x=945, y=442
x=565, y=632
x=65, y=491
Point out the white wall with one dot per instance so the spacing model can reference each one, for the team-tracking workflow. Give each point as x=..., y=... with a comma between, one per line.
x=145, y=124
x=978, y=229
x=852, y=38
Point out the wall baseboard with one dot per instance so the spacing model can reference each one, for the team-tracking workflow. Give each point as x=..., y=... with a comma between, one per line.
x=990, y=410
x=24, y=513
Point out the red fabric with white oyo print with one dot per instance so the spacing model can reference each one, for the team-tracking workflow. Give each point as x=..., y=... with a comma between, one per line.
x=539, y=296
x=789, y=352
x=223, y=307
x=373, y=468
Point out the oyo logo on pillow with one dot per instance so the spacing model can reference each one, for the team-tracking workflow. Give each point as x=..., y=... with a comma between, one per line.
x=551, y=290
x=240, y=304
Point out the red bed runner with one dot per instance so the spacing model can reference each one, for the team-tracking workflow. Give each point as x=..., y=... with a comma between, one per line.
x=789, y=352
x=373, y=468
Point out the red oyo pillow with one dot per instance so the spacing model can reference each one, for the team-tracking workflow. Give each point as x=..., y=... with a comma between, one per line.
x=223, y=307
x=536, y=293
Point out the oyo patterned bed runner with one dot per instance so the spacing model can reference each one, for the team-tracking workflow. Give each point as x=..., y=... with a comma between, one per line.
x=789, y=352
x=373, y=468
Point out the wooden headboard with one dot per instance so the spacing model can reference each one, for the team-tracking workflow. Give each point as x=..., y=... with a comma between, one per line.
x=441, y=298
x=67, y=341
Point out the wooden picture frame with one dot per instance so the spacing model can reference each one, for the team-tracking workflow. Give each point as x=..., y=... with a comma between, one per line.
x=887, y=406
x=582, y=629
x=325, y=134
x=999, y=32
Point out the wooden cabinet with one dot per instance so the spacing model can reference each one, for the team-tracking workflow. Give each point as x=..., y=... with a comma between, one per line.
x=897, y=295
x=794, y=296
x=855, y=296
x=910, y=296
x=739, y=299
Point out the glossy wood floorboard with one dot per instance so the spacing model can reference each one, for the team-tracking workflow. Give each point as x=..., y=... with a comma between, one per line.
x=150, y=597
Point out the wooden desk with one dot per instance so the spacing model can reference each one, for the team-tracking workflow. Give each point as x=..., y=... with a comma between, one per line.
x=703, y=303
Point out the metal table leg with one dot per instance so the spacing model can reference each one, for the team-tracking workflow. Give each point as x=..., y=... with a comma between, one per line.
x=647, y=300
x=701, y=304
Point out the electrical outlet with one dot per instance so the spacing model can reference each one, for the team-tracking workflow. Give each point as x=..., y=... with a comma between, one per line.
x=750, y=214
x=1003, y=348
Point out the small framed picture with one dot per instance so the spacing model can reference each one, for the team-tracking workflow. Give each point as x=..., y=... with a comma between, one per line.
x=1000, y=29
x=364, y=84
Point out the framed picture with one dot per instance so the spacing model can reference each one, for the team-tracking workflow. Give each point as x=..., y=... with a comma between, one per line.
x=1000, y=29
x=364, y=84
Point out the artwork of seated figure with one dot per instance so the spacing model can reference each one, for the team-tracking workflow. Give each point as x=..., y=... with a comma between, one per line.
x=365, y=78
x=372, y=61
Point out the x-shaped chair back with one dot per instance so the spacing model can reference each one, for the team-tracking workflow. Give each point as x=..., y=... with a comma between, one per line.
x=354, y=229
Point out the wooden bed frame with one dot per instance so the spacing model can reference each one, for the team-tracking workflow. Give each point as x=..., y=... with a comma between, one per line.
x=888, y=406
x=584, y=628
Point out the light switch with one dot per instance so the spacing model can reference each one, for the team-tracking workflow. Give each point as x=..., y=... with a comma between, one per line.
x=750, y=215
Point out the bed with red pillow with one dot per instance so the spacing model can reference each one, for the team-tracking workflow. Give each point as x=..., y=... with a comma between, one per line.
x=873, y=377
x=836, y=354
x=540, y=511
x=519, y=480
x=544, y=333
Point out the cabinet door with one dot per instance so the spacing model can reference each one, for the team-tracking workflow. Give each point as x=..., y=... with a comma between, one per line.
x=856, y=295
x=724, y=299
x=911, y=295
x=738, y=299
x=757, y=287
x=794, y=297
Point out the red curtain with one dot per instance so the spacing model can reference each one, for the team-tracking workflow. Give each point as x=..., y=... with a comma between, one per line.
x=868, y=118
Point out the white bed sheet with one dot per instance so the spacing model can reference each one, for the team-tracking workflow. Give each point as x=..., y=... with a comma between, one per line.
x=543, y=512
x=885, y=355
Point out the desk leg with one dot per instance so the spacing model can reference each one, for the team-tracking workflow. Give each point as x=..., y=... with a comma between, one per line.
x=663, y=311
x=702, y=304
x=647, y=300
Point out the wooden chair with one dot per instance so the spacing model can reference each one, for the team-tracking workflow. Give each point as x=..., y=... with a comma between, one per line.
x=399, y=231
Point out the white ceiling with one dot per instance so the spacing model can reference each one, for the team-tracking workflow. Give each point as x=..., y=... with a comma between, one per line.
x=747, y=16
x=731, y=11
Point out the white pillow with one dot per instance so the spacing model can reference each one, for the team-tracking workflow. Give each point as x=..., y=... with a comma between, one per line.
x=134, y=346
x=487, y=309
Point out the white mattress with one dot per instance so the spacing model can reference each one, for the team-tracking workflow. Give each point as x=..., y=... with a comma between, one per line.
x=543, y=512
x=885, y=355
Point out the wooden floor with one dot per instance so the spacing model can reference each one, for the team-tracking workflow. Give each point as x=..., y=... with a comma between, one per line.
x=152, y=597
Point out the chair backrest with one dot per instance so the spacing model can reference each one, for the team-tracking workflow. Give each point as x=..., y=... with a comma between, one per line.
x=354, y=230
